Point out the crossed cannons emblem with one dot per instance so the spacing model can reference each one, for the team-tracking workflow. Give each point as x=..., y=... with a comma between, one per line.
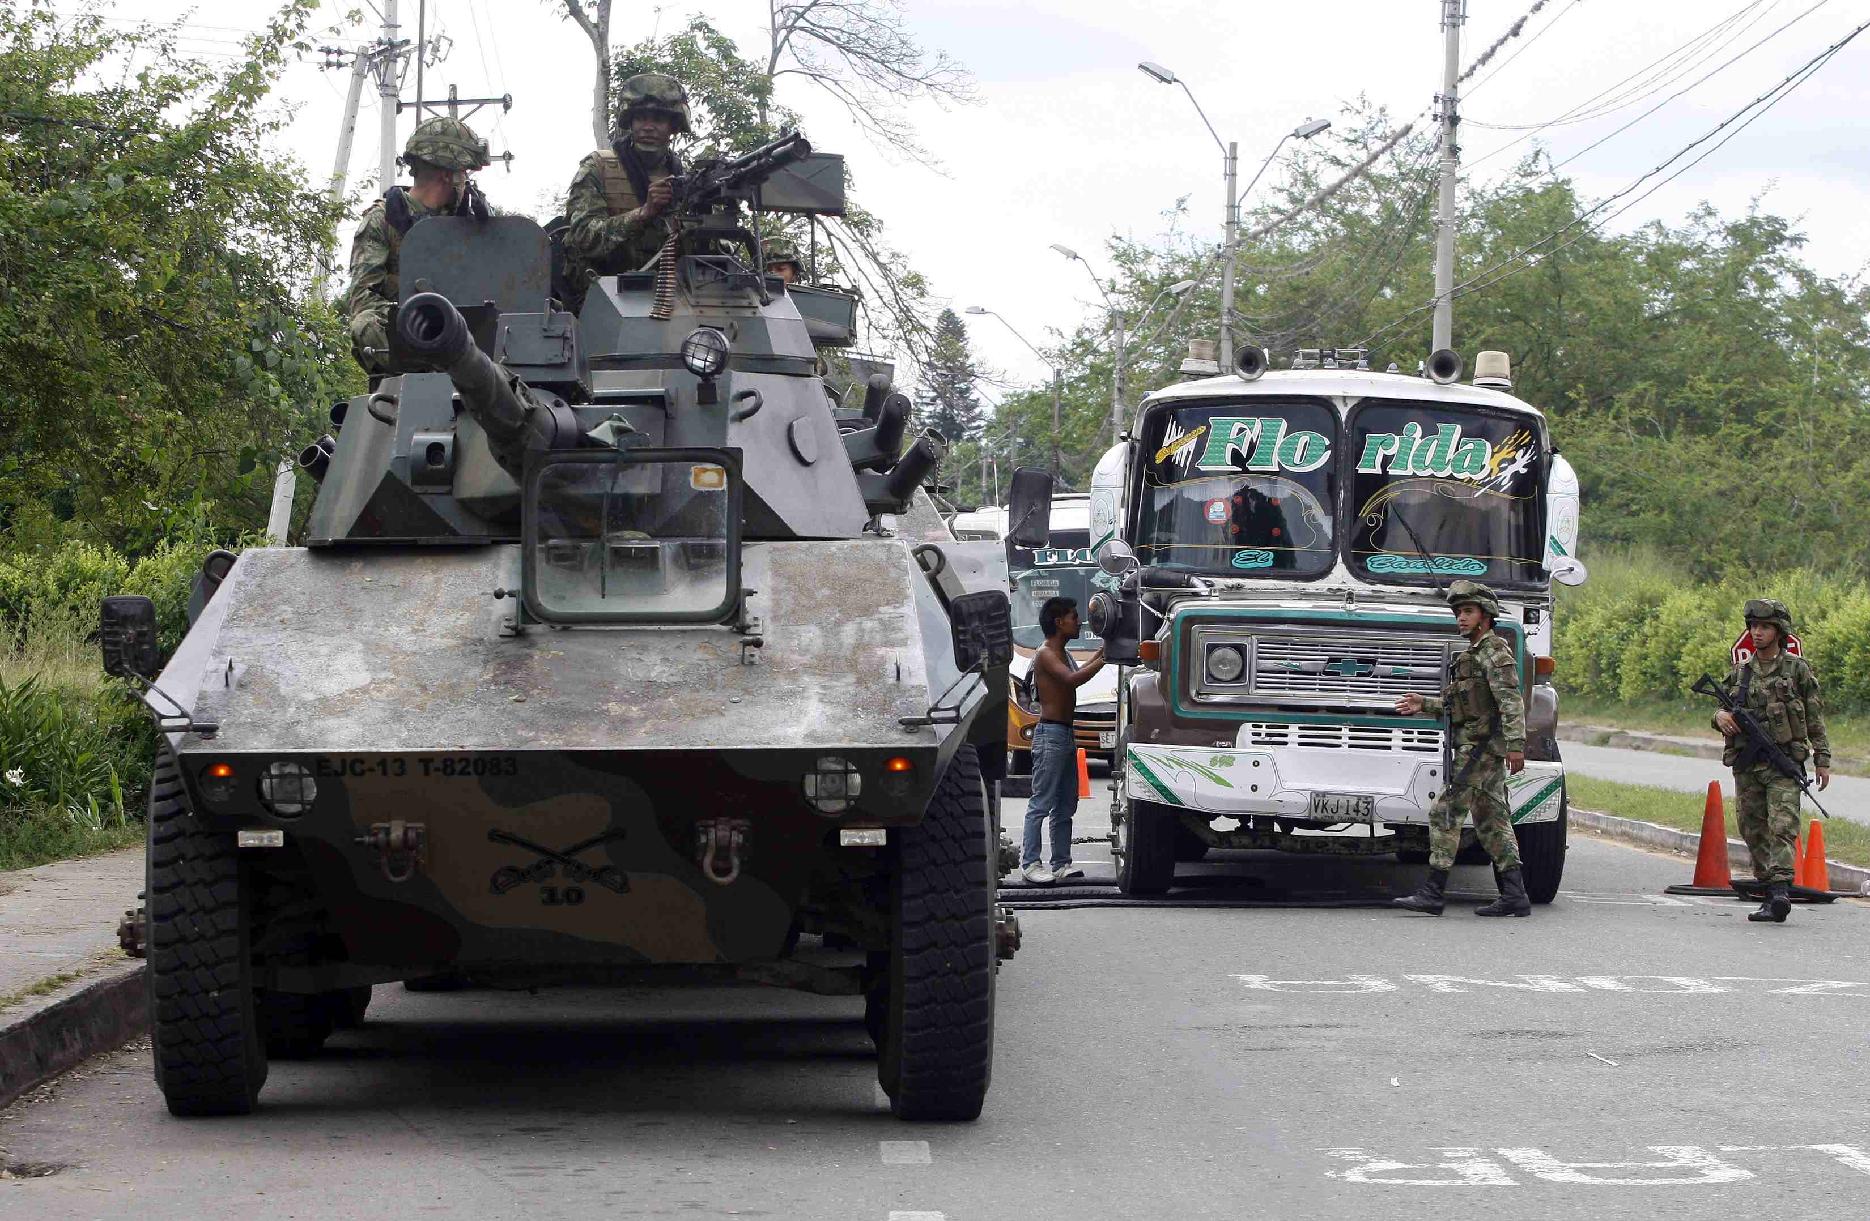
x=551, y=861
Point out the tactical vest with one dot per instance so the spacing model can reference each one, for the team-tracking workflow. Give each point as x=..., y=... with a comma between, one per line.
x=619, y=195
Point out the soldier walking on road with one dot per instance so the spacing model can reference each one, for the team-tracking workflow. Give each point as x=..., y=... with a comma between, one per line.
x=1487, y=724
x=1781, y=692
x=440, y=154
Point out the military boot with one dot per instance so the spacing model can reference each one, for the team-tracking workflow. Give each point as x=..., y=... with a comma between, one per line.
x=1776, y=908
x=1428, y=898
x=1512, y=900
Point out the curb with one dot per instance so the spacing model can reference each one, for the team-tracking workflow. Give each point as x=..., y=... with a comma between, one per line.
x=1849, y=879
x=1629, y=739
x=47, y=1035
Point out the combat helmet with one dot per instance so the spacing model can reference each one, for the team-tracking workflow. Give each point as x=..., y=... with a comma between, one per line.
x=652, y=91
x=1466, y=593
x=781, y=250
x=446, y=143
x=1769, y=610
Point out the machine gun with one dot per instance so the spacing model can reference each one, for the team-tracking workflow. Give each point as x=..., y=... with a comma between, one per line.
x=1760, y=746
x=720, y=181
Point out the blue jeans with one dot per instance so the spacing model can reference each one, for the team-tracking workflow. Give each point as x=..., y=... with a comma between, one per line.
x=1054, y=792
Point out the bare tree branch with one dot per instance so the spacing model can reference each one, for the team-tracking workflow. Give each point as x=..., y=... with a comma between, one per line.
x=593, y=17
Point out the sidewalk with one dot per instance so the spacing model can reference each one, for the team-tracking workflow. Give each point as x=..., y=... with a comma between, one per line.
x=67, y=991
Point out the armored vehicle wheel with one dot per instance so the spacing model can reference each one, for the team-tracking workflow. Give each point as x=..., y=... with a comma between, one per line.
x=1542, y=853
x=1144, y=849
x=206, y=1043
x=348, y=1005
x=293, y=1026
x=937, y=1048
x=1188, y=846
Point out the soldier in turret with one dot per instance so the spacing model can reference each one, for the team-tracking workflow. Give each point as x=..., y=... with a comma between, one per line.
x=1781, y=692
x=441, y=154
x=617, y=212
x=1487, y=722
x=782, y=260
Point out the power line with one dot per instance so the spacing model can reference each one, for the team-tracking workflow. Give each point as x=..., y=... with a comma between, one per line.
x=1512, y=31
x=1523, y=256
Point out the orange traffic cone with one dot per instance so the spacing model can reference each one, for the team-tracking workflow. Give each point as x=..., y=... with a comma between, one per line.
x=1711, y=873
x=1084, y=775
x=1798, y=862
x=1817, y=869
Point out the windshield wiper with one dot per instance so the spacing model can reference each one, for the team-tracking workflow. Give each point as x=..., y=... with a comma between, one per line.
x=1428, y=556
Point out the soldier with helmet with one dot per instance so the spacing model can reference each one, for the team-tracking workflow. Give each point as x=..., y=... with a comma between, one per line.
x=1781, y=692
x=782, y=260
x=441, y=154
x=616, y=213
x=1487, y=726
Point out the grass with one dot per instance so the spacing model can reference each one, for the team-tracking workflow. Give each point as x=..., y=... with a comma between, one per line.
x=52, y=983
x=1844, y=840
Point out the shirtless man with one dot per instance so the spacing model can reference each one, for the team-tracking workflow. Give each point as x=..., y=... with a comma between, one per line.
x=1054, y=778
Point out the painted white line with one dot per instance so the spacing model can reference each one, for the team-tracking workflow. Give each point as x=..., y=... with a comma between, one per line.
x=1683, y=985
x=903, y=1216
x=1676, y=1166
x=904, y=1152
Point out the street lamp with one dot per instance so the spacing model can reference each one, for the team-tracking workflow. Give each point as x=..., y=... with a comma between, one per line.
x=1117, y=327
x=1057, y=379
x=1230, y=170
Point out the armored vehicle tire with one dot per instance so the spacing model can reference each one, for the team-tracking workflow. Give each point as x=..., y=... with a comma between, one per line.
x=937, y=1048
x=293, y=1026
x=206, y=1043
x=1542, y=853
x=1188, y=846
x=1145, y=849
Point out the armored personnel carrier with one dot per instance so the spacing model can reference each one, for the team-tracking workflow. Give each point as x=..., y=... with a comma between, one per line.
x=616, y=653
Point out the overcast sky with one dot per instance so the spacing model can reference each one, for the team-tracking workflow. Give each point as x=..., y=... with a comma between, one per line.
x=1071, y=143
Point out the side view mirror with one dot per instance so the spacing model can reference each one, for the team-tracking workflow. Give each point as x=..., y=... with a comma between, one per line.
x=1029, y=508
x=127, y=634
x=1116, y=558
x=983, y=629
x=1569, y=571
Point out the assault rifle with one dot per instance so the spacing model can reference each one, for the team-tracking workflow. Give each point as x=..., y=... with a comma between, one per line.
x=723, y=180
x=1760, y=747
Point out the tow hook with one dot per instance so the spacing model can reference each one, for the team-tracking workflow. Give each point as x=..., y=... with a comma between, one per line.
x=718, y=842
x=1005, y=933
x=399, y=847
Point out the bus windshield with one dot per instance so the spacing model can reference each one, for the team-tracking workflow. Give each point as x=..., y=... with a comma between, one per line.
x=1063, y=570
x=1456, y=487
x=1240, y=487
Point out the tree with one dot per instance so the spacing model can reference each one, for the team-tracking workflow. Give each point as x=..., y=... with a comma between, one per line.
x=593, y=17
x=159, y=347
x=946, y=398
x=861, y=53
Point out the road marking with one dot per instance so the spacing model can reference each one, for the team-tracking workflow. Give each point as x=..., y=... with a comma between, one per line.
x=902, y=1216
x=1676, y=1166
x=1684, y=985
x=904, y=1152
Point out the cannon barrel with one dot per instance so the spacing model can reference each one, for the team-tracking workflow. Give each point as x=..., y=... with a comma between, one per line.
x=515, y=417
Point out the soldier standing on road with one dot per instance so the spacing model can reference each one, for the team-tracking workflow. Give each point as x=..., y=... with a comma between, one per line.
x=440, y=154
x=1054, y=750
x=617, y=210
x=1487, y=721
x=1781, y=692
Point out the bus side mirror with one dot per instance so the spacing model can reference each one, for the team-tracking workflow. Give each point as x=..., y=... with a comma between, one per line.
x=127, y=634
x=1568, y=571
x=1029, y=508
x=1116, y=558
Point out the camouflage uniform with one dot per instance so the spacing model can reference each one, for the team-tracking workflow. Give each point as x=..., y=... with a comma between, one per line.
x=606, y=230
x=1486, y=722
x=1783, y=695
x=444, y=143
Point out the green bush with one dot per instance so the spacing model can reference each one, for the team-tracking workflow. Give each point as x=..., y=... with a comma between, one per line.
x=56, y=753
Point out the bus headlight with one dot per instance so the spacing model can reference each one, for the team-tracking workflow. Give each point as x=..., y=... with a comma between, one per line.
x=1225, y=664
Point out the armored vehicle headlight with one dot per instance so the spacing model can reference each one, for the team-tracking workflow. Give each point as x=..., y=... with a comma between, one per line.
x=1225, y=663
x=832, y=785
x=287, y=789
x=704, y=352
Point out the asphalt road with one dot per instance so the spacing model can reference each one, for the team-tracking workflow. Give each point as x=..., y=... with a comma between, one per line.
x=1846, y=796
x=1620, y=1053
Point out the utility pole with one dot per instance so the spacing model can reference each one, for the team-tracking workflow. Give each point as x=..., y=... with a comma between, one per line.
x=1231, y=223
x=1453, y=13
x=1058, y=397
x=389, y=89
x=1116, y=382
x=341, y=166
